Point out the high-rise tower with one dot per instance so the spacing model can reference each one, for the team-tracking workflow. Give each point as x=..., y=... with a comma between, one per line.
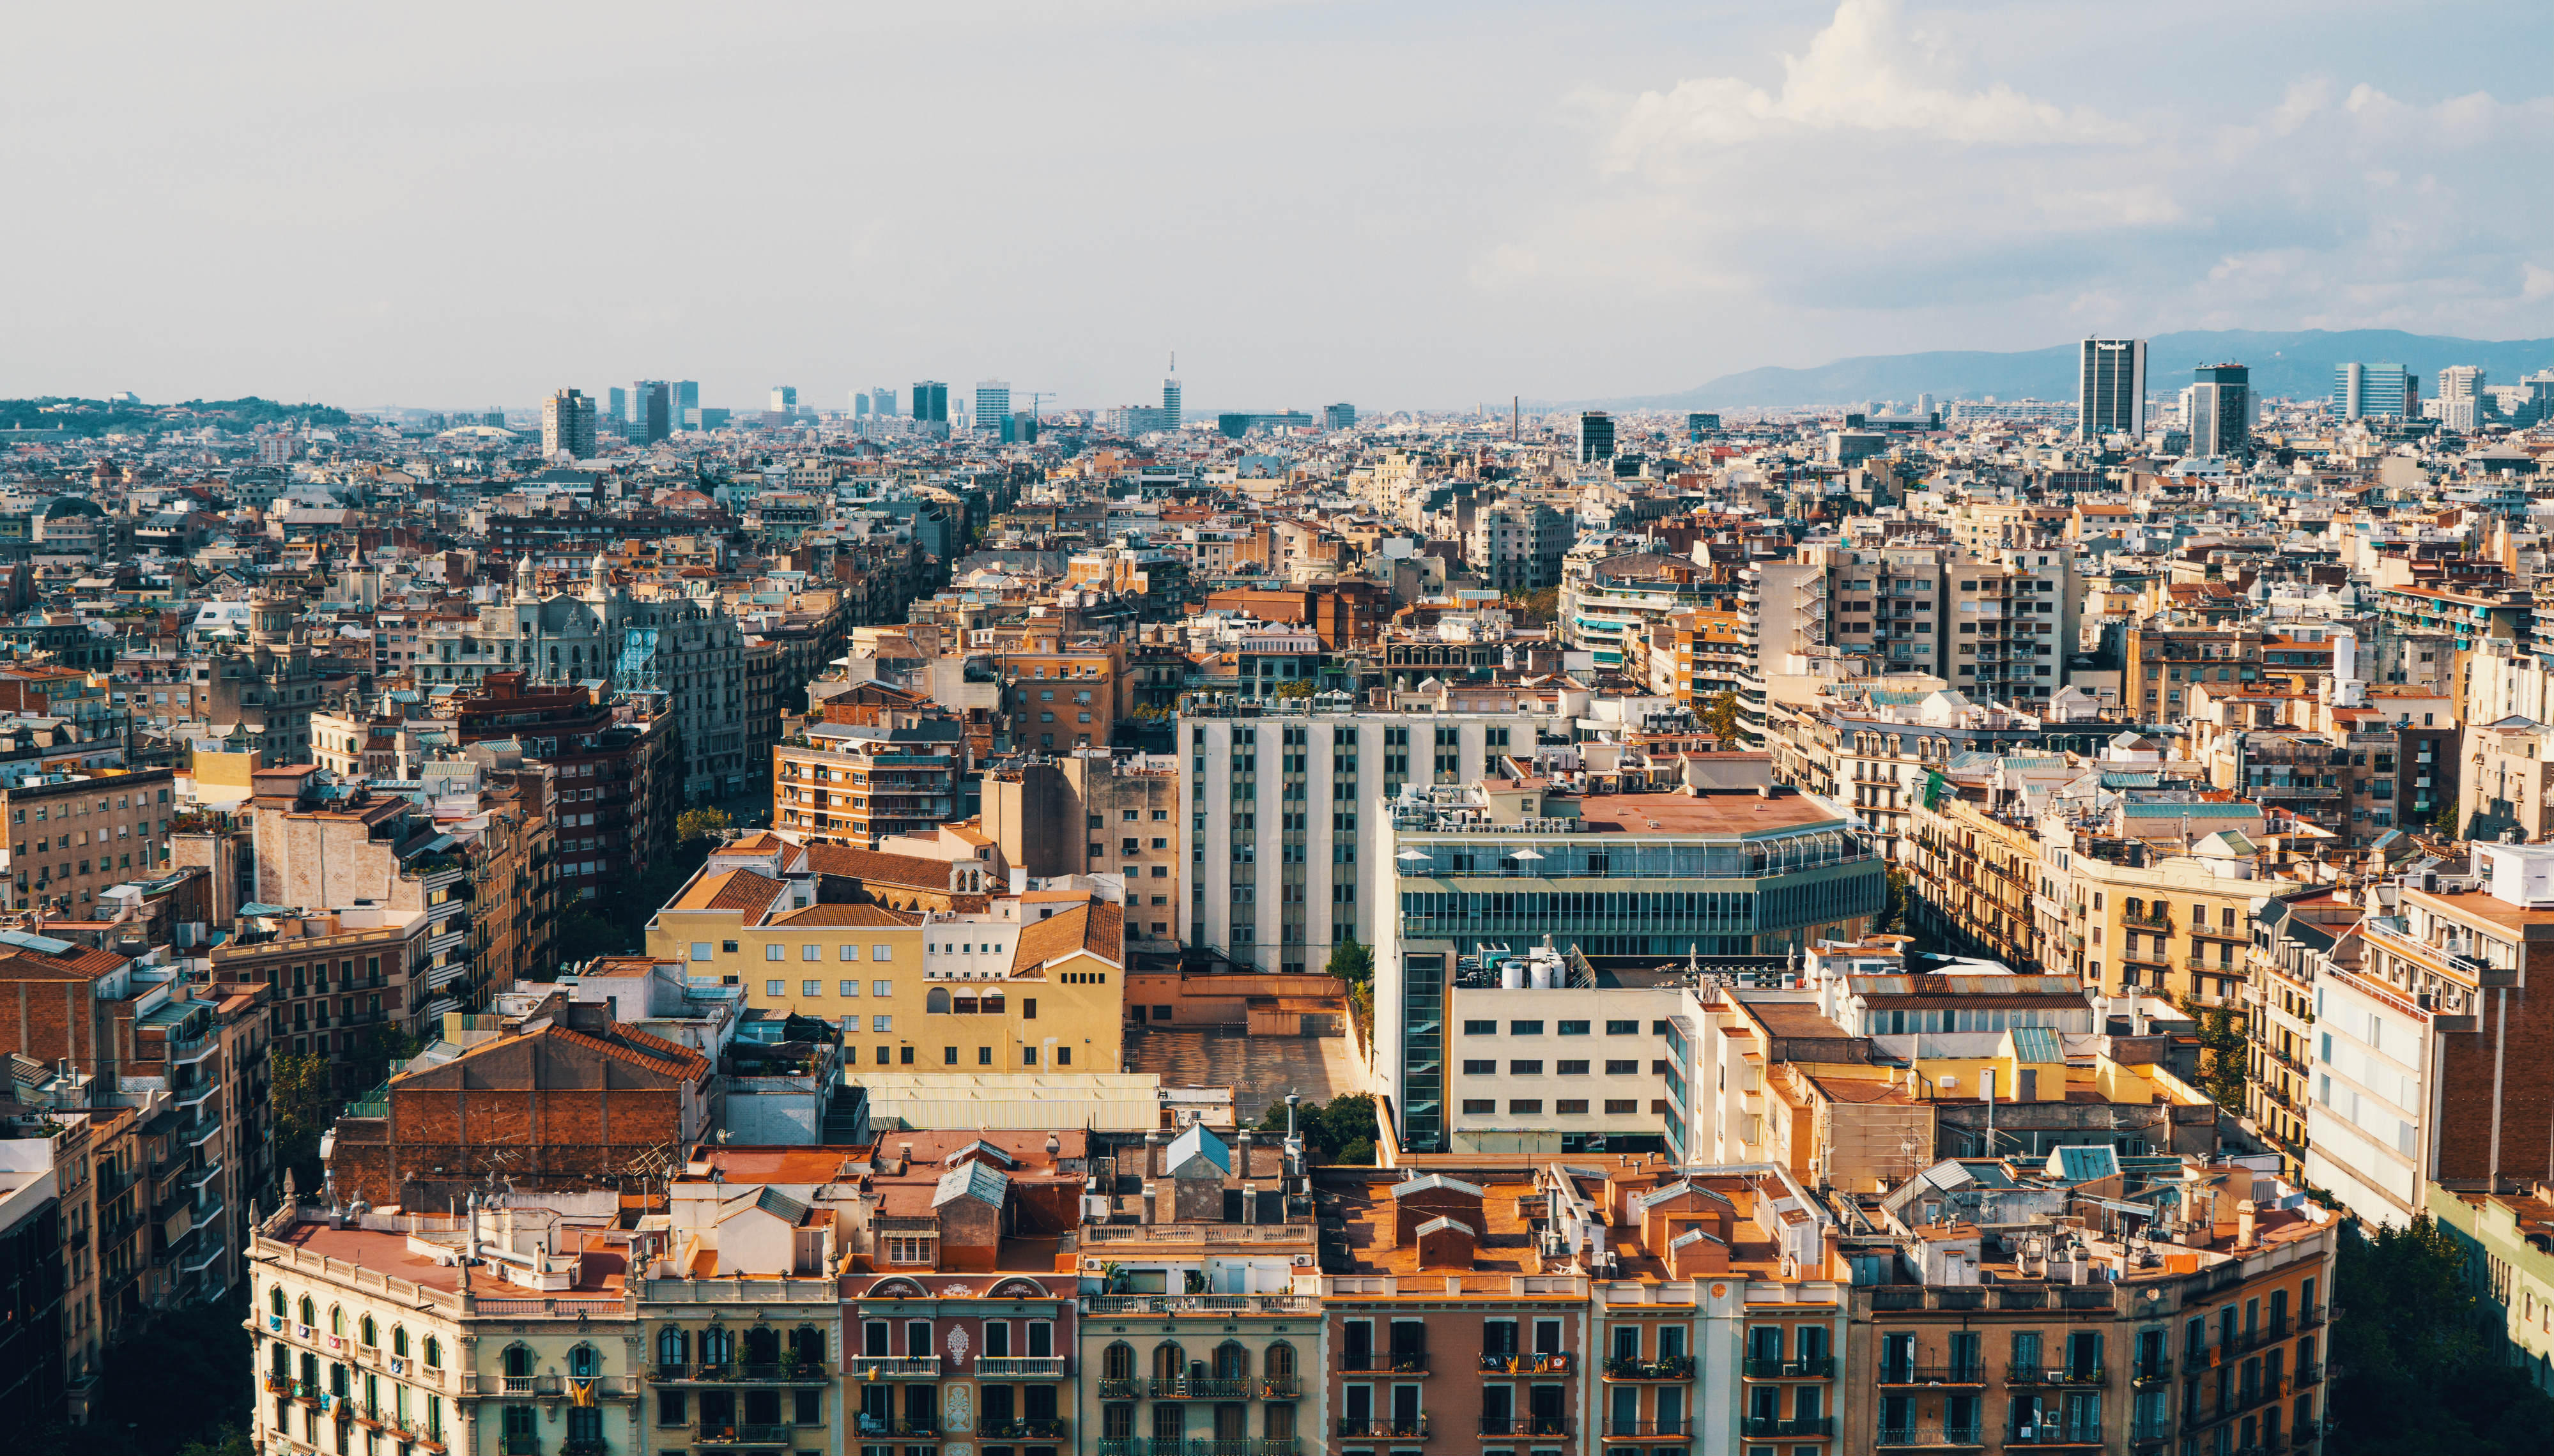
x=2111, y=394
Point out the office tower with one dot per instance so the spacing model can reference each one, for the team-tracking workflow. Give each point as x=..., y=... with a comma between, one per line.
x=882, y=400
x=1171, y=402
x=1697, y=425
x=2373, y=390
x=494, y=418
x=993, y=403
x=2111, y=390
x=1596, y=436
x=2220, y=410
x=620, y=403
x=2539, y=404
x=860, y=404
x=567, y=424
x=2461, y=406
x=784, y=399
x=931, y=405
x=1924, y=402
x=652, y=409
x=1021, y=429
x=1341, y=417
x=684, y=410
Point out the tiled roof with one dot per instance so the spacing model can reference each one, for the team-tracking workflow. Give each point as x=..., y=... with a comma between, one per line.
x=731, y=889
x=1099, y=929
x=815, y=914
x=909, y=871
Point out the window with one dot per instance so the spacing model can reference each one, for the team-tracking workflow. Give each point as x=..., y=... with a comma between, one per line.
x=882, y=1025
x=849, y=988
x=1524, y=1028
x=1574, y=1028
x=1621, y=1106
x=1479, y=1105
x=1622, y=1067
x=811, y=989
x=851, y=952
x=1525, y=1067
x=1525, y=1104
x=1480, y=1066
x=1622, y=1028
x=1571, y=1108
x=771, y=953
x=882, y=953
x=772, y=988
x=700, y=950
x=1480, y=1028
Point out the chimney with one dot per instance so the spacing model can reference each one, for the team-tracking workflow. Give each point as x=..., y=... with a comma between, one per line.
x=2247, y=1231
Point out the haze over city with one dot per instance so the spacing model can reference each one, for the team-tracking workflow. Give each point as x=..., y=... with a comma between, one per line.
x=1415, y=206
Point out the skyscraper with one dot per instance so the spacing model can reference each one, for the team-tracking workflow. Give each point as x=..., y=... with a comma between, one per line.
x=2461, y=406
x=1596, y=436
x=2221, y=411
x=993, y=403
x=860, y=404
x=567, y=424
x=784, y=399
x=882, y=400
x=652, y=409
x=1171, y=402
x=2111, y=393
x=931, y=401
x=1341, y=416
x=620, y=405
x=685, y=407
x=2373, y=390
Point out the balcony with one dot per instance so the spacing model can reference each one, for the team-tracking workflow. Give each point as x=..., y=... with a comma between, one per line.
x=1281, y=1387
x=1026, y=1428
x=1648, y=1428
x=1929, y=1437
x=1121, y=1387
x=2147, y=921
x=1933, y=1375
x=1396, y=1362
x=895, y=1366
x=518, y=1443
x=2051, y=1434
x=795, y=1373
x=2149, y=1374
x=1021, y=1367
x=1821, y=1367
x=1384, y=1426
x=1512, y=1361
x=866, y=1424
x=1525, y=1425
x=1203, y=1387
x=1679, y=1367
x=1765, y=1425
x=2055, y=1375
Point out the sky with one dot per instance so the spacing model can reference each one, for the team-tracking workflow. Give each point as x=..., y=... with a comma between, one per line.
x=1397, y=204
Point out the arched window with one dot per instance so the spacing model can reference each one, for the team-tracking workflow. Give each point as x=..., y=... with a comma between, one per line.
x=585, y=1362
x=992, y=1003
x=762, y=1345
x=718, y=1346
x=1278, y=1362
x=518, y=1362
x=1170, y=1362
x=371, y=1333
x=283, y=1362
x=1232, y=1361
x=670, y=1348
x=1117, y=1362
x=310, y=1374
x=309, y=1312
x=399, y=1340
x=936, y=1001
x=337, y=1320
x=274, y=1302
x=806, y=1346
x=433, y=1353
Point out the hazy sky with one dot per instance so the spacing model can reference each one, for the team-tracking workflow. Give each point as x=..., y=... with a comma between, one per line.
x=1394, y=204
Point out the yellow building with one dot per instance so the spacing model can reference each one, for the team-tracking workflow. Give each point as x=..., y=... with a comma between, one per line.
x=1010, y=983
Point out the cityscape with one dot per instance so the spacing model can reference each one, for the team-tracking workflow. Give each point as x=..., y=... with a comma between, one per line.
x=1956, y=589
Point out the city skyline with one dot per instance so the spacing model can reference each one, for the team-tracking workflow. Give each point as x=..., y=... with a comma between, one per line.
x=1671, y=240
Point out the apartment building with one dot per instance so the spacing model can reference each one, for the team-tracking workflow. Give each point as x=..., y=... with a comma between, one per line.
x=71, y=835
x=2012, y=1310
x=1972, y=869
x=1550, y=1055
x=1518, y=546
x=2511, y=1273
x=1064, y=690
x=2413, y=1080
x=1028, y=982
x=1467, y=873
x=852, y=784
x=2157, y=893
x=2297, y=934
x=365, y=1343
x=1281, y=904
x=337, y=982
x=1121, y=811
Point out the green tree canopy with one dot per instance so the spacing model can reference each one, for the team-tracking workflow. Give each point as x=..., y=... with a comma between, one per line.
x=2416, y=1366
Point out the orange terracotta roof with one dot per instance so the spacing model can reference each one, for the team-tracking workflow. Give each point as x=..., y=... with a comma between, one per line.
x=1097, y=929
x=864, y=914
x=731, y=889
x=910, y=871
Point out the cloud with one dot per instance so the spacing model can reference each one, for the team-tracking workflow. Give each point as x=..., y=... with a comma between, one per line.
x=1865, y=72
x=1898, y=179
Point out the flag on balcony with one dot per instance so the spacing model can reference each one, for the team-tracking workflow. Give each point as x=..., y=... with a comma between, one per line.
x=580, y=1392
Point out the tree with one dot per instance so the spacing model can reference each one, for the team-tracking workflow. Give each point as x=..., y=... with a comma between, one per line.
x=1341, y=1130
x=2423, y=1353
x=2223, y=1054
x=705, y=822
x=2445, y=821
x=1720, y=716
x=1351, y=963
x=384, y=1047
x=303, y=1092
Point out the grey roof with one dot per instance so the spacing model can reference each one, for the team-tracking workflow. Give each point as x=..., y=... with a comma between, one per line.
x=1432, y=1181
x=972, y=1179
x=1440, y=1225
x=1194, y=1144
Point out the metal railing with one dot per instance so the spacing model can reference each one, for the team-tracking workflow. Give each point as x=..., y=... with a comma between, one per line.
x=1928, y=1435
x=1820, y=1368
x=1964, y=1373
x=1680, y=1367
x=1396, y=1428
x=1767, y=1425
x=1020, y=1367
x=1395, y=1362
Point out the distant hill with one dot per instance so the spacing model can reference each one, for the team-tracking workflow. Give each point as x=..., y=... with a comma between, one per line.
x=2296, y=364
x=94, y=417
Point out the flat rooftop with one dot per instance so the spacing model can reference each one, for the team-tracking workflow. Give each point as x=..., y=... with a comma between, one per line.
x=1712, y=812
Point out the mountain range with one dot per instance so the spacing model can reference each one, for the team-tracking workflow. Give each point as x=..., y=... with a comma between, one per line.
x=2293, y=365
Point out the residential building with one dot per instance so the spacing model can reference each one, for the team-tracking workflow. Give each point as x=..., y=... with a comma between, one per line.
x=72, y=836
x=1517, y=546
x=567, y=424
x=853, y=784
x=343, y=983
